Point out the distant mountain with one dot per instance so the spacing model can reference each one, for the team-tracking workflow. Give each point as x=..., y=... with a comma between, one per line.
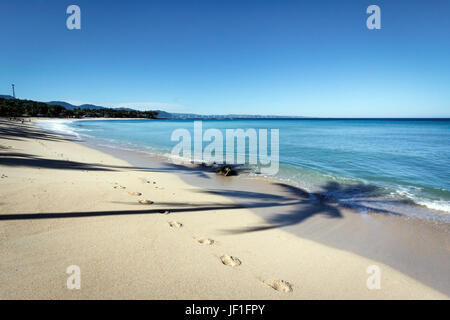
x=84, y=106
x=164, y=114
x=167, y=115
x=226, y=116
x=71, y=106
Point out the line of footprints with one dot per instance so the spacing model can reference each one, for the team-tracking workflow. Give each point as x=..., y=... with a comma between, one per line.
x=278, y=285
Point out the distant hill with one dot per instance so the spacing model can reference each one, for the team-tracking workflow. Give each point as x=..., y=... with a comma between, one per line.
x=84, y=106
x=163, y=114
x=72, y=107
x=167, y=115
x=227, y=116
x=60, y=109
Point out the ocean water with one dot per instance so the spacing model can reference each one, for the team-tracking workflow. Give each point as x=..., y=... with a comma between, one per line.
x=398, y=160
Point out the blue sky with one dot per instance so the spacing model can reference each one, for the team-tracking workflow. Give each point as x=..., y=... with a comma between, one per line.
x=311, y=58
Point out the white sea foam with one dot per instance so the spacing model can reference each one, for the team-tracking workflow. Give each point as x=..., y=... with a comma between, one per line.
x=439, y=205
x=58, y=126
x=434, y=204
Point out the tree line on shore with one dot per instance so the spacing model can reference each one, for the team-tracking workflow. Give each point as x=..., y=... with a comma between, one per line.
x=29, y=108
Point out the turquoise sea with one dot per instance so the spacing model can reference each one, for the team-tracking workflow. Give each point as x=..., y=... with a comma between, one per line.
x=405, y=160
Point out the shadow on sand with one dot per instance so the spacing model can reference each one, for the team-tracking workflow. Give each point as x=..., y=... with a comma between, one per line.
x=301, y=205
x=291, y=206
x=306, y=205
x=18, y=131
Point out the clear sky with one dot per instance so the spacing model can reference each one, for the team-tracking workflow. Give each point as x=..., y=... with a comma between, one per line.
x=310, y=58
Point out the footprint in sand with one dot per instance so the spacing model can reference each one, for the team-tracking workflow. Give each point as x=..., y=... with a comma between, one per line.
x=281, y=286
x=133, y=193
x=205, y=241
x=146, y=202
x=230, y=261
x=164, y=211
x=174, y=224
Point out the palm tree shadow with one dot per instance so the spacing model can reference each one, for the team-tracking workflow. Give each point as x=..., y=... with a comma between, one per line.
x=300, y=205
x=27, y=131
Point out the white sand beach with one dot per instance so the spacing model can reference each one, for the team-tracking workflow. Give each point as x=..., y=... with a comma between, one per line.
x=63, y=204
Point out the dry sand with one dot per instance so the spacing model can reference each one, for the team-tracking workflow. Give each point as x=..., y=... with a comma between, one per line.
x=64, y=204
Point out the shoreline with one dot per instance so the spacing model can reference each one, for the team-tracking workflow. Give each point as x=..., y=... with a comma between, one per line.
x=129, y=253
x=389, y=198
